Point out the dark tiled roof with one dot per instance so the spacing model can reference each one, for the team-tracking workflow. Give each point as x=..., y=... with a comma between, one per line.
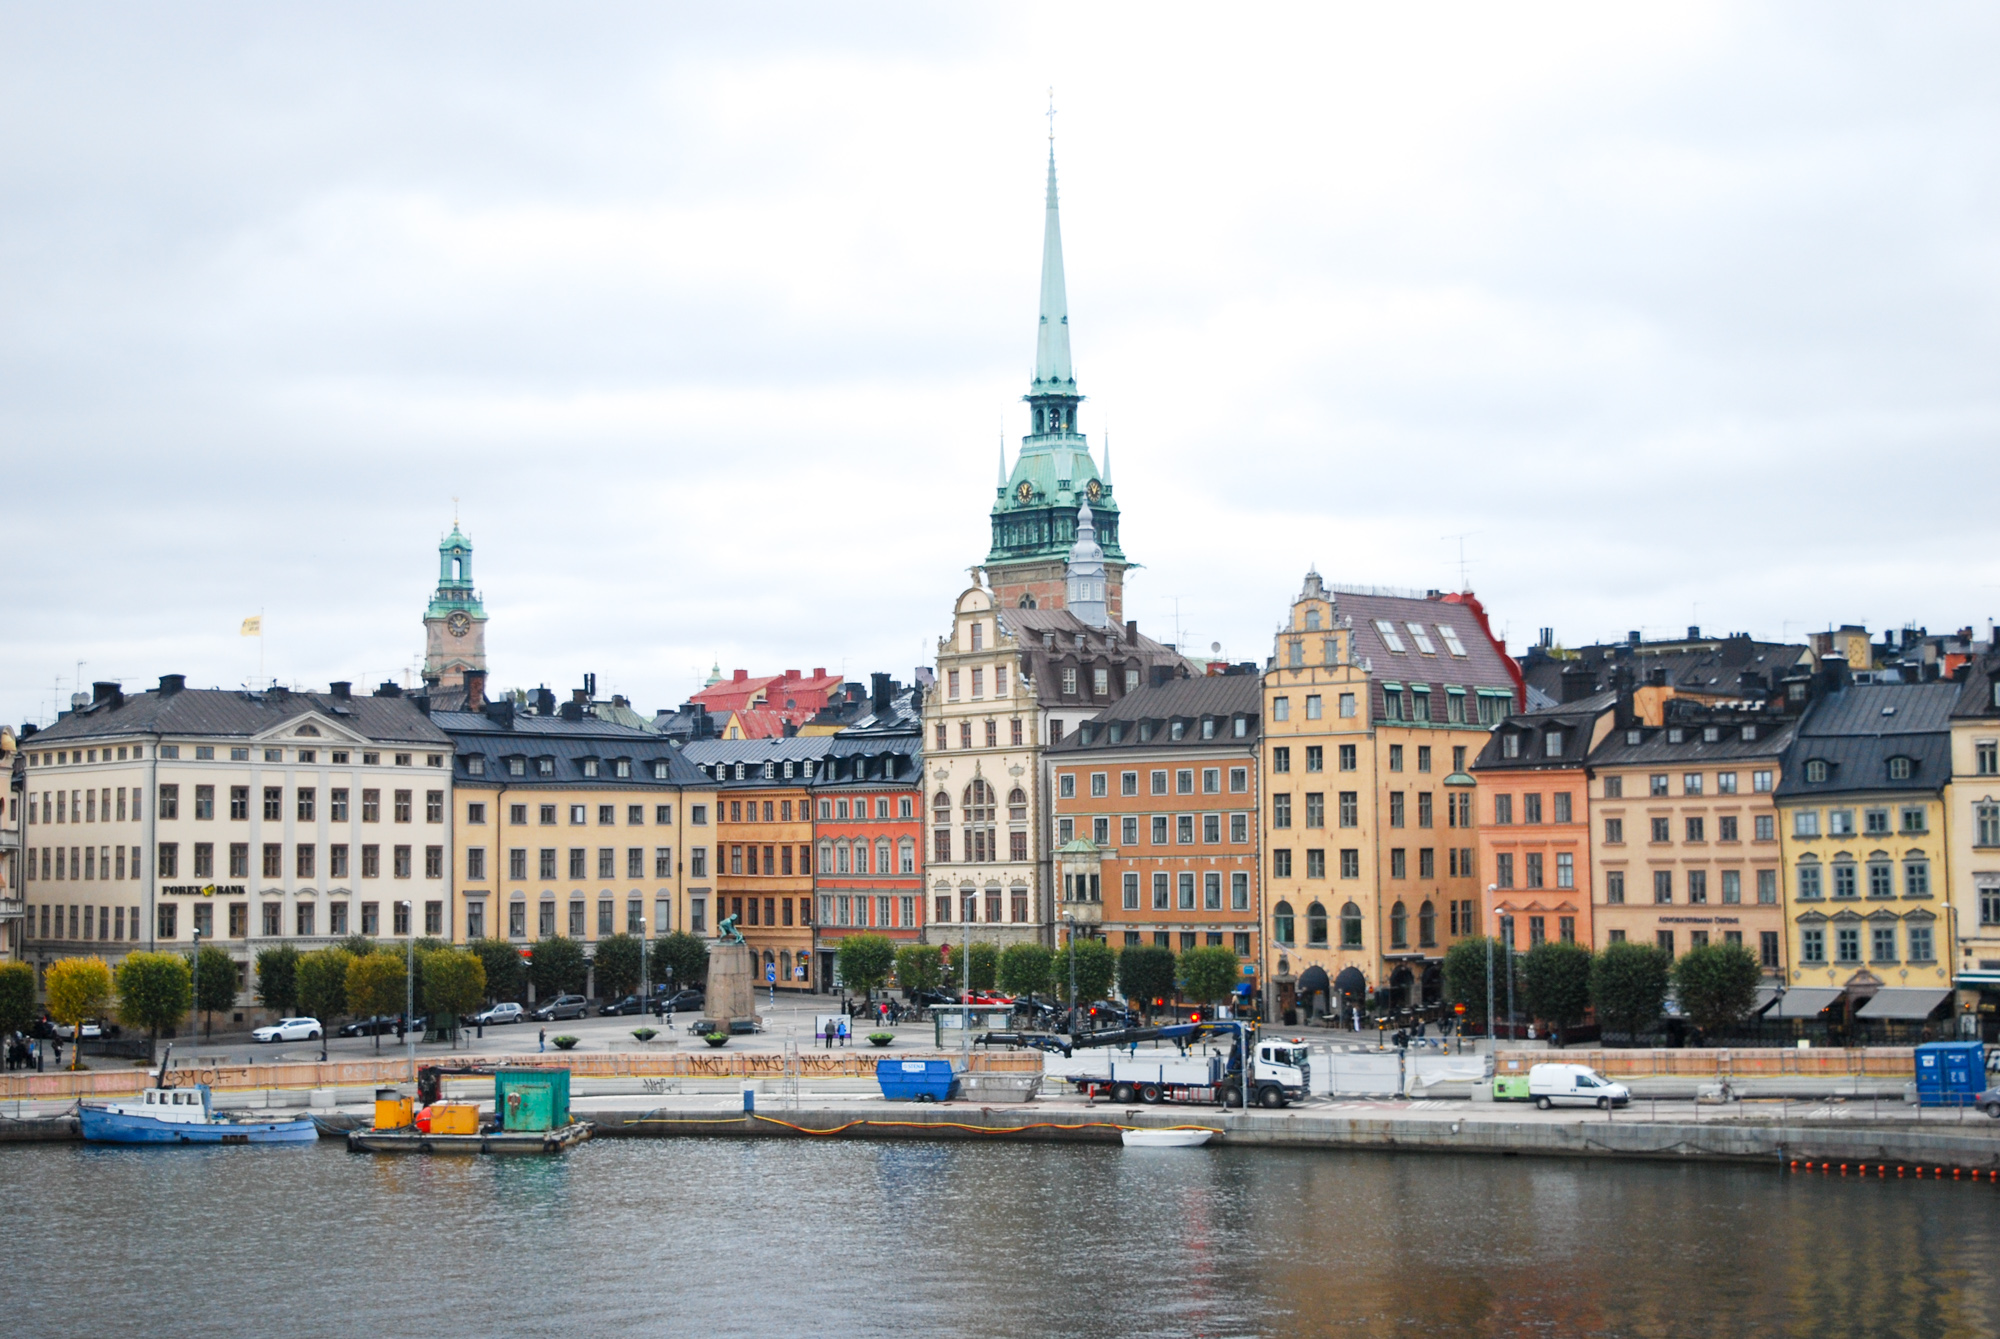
x=1079, y=644
x=555, y=727
x=1716, y=670
x=1483, y=665
x=237, y=714
x=800, y=750
x=1656, y=744
x=1224, y=696
x=1576, y=723
x=569, y=745
x=1859, y=730
x=1976, y=697
x=1882, y=709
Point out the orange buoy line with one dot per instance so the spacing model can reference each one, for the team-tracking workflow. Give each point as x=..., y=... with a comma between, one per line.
x=1992, y=1176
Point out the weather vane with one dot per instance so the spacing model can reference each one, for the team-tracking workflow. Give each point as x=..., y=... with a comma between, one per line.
x=1052, y=115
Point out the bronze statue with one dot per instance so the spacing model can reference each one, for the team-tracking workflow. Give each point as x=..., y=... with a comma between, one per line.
x=727, y=933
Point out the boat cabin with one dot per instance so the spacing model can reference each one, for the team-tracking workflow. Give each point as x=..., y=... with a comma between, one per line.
x=182, y=1106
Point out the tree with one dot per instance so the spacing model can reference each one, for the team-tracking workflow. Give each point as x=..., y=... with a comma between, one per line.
x=358, y=946
x=375, y=985
x=1095, y=966
x=215, y=983
x=558, y=967
x=1556, y=979
x=1628, y=985
x=277, y=978
x=1024, y=969
x=865, y=963
x=1465, y=976
x=985, y=962
x=506, y=974
x=322, y=985
x=154, y=991
x=1208, y=974
x=454, y=984
x=1717, y=985
x=919, y=967
x=619, y=959
x=1146, y=974
x=17, y=997
x=79, y=989
x=681, y=958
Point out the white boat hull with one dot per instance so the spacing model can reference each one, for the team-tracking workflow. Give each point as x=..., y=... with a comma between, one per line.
x=1166, y=1138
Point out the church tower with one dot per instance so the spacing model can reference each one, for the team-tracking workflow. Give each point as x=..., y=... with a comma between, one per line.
x=455, y=623
x=1085, y=574
x=1055, y=483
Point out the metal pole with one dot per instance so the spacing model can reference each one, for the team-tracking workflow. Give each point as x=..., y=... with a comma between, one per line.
x=410, y=987
x=196, y=1029
x=1070, y=921
x=1491, y=888
x=1508, y=921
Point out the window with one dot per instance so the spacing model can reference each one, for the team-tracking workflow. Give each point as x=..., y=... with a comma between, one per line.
x=1840, y=822
x=1315, y=809
x=1565, y=870
x=1725, y=828
x=1350, y=863
x=1614, y=887
x=1987, y=825
x=1281, y=923
x=1350, y=926
x=1503, y=869
x=1313, y=712
x=1916, y=878
x=1915, y=819
x=1847, y=943
x=1503, y=810
x=1695, y=829
x=1315, y=864
x=1281, y=811
x=1805, y=823
x=1239, y=780
x=1766, y=827
x=1663, y=886
x=1767, y=887
x=1531, y=809
x=1614, y=831
x=1350, y=809
x=1533, y=865
x=1807, y=879
x=1281, y=864
x=1697, y=886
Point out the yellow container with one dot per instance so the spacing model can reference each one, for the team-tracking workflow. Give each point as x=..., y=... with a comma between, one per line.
x=455, y=1118
x=393, y=1111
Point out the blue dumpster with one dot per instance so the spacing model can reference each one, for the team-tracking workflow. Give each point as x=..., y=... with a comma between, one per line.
x=916, y=1080
x=1950, y=1073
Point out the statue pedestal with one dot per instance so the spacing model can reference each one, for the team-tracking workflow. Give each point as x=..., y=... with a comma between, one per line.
x=731, y=992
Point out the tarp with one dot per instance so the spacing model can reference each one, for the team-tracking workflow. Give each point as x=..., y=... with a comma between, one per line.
x=1803, y=1002
x=1425, y=1070
x=1903, y=1003
x=1356, y=1073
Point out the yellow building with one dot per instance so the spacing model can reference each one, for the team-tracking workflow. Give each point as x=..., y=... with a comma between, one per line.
x=1974, y=825
x=1374, y=706
x=569, y=825
x=1866, y=869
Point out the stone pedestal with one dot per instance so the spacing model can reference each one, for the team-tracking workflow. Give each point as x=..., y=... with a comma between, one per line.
x=730, y=996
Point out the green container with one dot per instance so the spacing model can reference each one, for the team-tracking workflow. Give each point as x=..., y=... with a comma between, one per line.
x=1510, y=1087
x=531, y=1099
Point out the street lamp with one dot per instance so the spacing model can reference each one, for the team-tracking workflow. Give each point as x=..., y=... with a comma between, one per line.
x=1490, y=888
x=410, y=986
x=196, y=1029
x=1507, y=938
x=1070, y=921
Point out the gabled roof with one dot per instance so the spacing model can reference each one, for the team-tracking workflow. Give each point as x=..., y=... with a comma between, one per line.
x=1399, y=655
x=1976, y=698
x=239, y=714
x=1859, y=731
x=1573, y=726
x=1222, y=696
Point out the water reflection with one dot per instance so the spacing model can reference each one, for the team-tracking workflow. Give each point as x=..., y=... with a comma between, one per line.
x=729, y=1236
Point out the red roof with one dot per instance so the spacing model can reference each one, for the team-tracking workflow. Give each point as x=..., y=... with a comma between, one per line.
x=807, y=693
x=766, y=722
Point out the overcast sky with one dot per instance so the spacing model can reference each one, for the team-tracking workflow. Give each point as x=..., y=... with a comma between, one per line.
x=712, y=318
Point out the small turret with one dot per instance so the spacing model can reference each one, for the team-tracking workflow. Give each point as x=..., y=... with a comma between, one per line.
x=1085, y=573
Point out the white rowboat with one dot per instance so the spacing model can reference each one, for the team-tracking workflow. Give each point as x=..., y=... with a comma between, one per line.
x=1165, y=1138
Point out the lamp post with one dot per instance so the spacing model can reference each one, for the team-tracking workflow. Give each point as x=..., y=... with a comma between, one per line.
x=196, y=1028
x=1507, y=938
x=410, y=986
x=1490, y=888
x=1070, y=921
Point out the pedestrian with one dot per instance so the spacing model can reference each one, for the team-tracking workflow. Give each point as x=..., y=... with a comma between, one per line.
x=56, y=1044
x=843, y=1032
x=827, y=1027
x=542, y=1040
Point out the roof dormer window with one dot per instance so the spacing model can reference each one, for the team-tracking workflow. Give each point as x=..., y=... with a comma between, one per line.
x=1676, y=735
x=1510, y=745
x=1451, y=641
x=545, y=767
x=1711, y=734
x=1900, y=769
x=1633, y=736
x=1552, y=744
x=1749, y=734
x=475, y=766
x=1387, y=632
x=621, y=767
x=517, y=767
x=1816, y=770
x=590, y=767
x=1421, y=638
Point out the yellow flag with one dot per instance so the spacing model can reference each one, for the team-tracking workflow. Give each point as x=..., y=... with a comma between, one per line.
x=253, y=626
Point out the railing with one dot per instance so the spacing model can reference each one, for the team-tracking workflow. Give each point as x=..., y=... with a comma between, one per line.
x=1727, y=1062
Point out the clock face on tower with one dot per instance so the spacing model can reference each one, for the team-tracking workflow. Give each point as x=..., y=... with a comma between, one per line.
x=458, y=624
x=1095, y=489
x=1025, y=492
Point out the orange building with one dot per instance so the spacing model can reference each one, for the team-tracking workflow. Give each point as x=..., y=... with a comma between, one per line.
x=869, y=826
x=764, y=846
x=1155, y=815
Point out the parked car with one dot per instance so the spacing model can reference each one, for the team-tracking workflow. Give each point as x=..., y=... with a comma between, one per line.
x=494, y=1015
x=992, y=997
x=681, y=1001
x=1574, y=1085
x=930, y=998
x=368, y=1027
x=1989, y=1102
x=289, y=1029
x=1109, y=1014
x=92, y=1030
x=562, y=1006
x=618, y=1008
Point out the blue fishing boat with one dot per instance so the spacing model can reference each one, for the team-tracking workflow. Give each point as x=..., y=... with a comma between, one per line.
x=164, y=1115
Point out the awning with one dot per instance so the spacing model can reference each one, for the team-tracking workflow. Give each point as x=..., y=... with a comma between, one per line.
x=1766, y=997
x=1904, y=1003
x=1350, y=981
x=1312, y=981
x=1804, y=1002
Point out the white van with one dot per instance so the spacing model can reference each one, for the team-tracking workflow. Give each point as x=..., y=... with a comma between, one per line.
x=1574, y=1084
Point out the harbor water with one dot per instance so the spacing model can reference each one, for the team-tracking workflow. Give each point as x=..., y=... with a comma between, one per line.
x=712, y=1236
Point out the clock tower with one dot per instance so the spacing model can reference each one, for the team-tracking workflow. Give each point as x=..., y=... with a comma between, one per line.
x=1054, y=477
x=455, y=623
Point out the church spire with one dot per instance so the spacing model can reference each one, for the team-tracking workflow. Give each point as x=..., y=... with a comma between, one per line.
x=1053, y=373
x=1084, y=575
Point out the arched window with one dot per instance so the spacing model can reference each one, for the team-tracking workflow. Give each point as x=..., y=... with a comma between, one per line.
x=1027, y=602
x=979, y=806
x=1350, y=926
x=941, y=808
x=1017, y=805
x=1427, y=925
x=1281, y=922
x=978, y=802
x=1316, y=926
x=1399, y=927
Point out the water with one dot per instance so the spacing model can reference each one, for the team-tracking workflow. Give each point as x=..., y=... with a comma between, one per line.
x=712, y=1237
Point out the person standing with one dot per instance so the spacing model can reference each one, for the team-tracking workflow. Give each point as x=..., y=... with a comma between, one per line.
x=542, y=1041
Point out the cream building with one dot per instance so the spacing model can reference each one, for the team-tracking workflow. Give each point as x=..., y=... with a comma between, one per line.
x=250, y=817
x=1974, y=835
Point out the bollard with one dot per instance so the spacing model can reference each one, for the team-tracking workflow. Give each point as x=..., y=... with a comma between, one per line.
x=749, y=1099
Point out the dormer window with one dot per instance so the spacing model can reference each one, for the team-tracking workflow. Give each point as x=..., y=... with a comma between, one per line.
x=1676, y=735
x=1175, y=729
x=1510, y=745
x=1711, y=734
x=475, y=766
x=545, y=767
x=621, y=767
x=1749, y=734
x=789, y=766
x=1552, y=744
x=1633, y=736
x=1117, y=732
x=517, y=767
x=1242, y=727
x=1208, y=727
x=1145, y=732
x=1899, y=769
x=660, y=772
x=590, y=767
x=1816, y=770
x=1451, y=641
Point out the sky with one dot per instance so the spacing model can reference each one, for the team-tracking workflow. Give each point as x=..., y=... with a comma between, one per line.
x=708, y=322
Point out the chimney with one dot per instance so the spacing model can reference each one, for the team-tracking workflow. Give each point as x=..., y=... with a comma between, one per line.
x=341, y=690
x=102, y=689
x=1578, y=682
x=741, y=675
x=545, y=702
x=172, y=683
x=791, y=729
x=1132, y=631
x=475, y=690
x=1632, y=637
x=501, y=713
x=818, y=673
x=572, y=711
x=879, y=695
x=1833, y=673
x=388, y=689
x=1548, y=638
x=1694, y=633
x=792, y=675
x=579, y=696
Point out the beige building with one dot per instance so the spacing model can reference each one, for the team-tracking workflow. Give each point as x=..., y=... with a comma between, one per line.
x=1375, y=705
x=247, y=817
x=13, y=859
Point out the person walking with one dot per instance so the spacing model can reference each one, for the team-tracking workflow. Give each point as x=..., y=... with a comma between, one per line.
x=542, y=1040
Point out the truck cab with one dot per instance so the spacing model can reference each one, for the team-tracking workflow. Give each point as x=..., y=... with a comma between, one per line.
x=1280, y=1073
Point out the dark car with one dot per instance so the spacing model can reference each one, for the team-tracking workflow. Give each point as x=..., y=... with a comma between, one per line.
x=562, y=1006
x=368, y=1027
x=1107, y=1014
x=618, y=1008
x=680, y=1002
x=929, y=998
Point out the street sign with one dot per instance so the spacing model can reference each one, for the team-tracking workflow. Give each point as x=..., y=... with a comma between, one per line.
x=1459, y=1009
x=771, y=974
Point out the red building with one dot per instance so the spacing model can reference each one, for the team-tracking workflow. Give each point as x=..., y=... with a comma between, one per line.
x=747, y=706
x=868, y=827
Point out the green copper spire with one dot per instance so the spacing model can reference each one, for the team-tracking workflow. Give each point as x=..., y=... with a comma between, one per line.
x=1053, y=373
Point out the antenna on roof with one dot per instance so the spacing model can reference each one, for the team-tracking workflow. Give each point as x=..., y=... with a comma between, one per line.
x=1464, y=581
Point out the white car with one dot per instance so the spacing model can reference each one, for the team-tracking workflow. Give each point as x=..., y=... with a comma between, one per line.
x=1577, y=1085
x=289, y=1029
x=92, y=1030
